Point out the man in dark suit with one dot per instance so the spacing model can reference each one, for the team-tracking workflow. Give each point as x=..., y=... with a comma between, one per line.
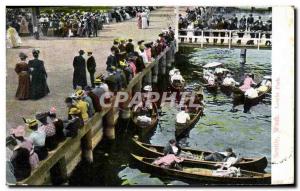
x=129, y=46
x=91, y=67
x=111, y=60
x=79, y=75
x=172, y=148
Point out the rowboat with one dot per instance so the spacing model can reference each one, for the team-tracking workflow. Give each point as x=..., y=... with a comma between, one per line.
x=182, y=129
x=249, y=102
x=177, y=86
x=254, y=164
x=200, y=174
x=229, y=89
x=143, y=129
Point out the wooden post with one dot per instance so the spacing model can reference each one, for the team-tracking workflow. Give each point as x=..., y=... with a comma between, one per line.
x=243, y=56
x=87, y=146
x=59, y=172
x=109, y=129
x=258, y=40
x=162, y=64
x=176, y=27
x=137, y=87
x=229, y=43
x=168, y=58
x=202, y=38
x=147, y=80
x=155, y=73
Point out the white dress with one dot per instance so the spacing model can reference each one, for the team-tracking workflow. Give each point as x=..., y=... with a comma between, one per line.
x=144, y=20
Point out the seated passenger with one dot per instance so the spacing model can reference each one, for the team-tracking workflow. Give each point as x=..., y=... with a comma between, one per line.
x=251, y=93
x=182, y=118
x=220, y=156
x=229, y=81
x=265, y=85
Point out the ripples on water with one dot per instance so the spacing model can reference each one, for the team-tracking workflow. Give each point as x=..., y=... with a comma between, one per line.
x=248, y=134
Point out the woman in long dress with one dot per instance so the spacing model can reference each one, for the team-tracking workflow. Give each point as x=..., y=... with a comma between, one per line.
x=24, y=27
x=139, y=21
x=144, y=20
x=13, y=38
x=22, y=70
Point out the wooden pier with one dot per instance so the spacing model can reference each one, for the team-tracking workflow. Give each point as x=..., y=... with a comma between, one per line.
x=60, y=163
x=230, y=39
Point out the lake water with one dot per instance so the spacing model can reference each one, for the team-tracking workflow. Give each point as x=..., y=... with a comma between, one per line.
x=249, y=134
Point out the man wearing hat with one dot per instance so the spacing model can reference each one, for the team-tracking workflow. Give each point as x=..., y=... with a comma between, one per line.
x=39, y=87
x=79, y=75
x=129, y=47
x=91, y=66
x=86, y=98
x=100, y=88
x=229, y=81
x=220, y=156
x=111, y=60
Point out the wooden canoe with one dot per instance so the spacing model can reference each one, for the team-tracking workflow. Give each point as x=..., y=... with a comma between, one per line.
x=228, y=89
x=143, y=129
x=176, y=86
x=181, y=130
x=200, y=174
x=254, y=164
x=249, y=102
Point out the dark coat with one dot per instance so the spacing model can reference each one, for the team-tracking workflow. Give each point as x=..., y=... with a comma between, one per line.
x=38, y=86
x=91, y=64
x=129, y=47
x=79, y=75
x=111, y=61
x=168, y=150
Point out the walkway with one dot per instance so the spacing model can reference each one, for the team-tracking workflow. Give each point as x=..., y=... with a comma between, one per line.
x=58, y=54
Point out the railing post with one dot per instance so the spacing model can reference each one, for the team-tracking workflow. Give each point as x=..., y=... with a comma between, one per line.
x=258, y=40
x=202, y=38
x=229, y=43
x=59, y=172
x=87, y=146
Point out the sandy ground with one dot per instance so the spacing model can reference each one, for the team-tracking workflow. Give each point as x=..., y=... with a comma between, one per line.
x=58, y=54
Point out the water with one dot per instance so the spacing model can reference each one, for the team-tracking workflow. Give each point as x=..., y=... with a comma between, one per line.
x=248, y=134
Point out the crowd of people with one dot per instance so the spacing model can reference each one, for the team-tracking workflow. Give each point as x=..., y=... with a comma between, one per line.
x=75, y=24
x=200, y=19
x=46, y=131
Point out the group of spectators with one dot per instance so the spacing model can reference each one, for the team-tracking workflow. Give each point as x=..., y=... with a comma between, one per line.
x=201, y=19
x=75, y=24
x=30, y=143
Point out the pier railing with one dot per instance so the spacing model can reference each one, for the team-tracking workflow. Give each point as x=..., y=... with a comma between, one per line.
x=61, y=162
x=259, y=39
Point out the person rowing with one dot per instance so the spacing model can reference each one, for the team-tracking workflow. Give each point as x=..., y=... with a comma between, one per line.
x=229, y=81
x=177, y=77
x=144, y=111
x=182, y=118
x=247, y=82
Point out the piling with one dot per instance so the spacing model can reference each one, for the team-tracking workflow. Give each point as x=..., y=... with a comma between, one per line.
x=147, y=80
x=110, y=121
x=168, y=58
x=58, y=172
x=154, y=74
x=162, y=65
x=87, y=146
x=243, y=56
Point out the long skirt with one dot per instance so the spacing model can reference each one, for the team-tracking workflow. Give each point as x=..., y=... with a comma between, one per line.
x=139, y=23
x=23, y=87
x=144, y=23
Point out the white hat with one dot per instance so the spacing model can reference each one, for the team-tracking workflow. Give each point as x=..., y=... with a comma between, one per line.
x=148, y=88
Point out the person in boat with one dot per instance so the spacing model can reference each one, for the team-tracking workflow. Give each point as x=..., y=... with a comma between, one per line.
x=229, y=81
x=251, y=92
x=144, y=111
x=220, y=156
x=211, y=79
x=169, y=161
x=177, y=77
x=172, y=72
x=182, y=118
x=265, y=84
x=172, y=148
x=247, y=82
